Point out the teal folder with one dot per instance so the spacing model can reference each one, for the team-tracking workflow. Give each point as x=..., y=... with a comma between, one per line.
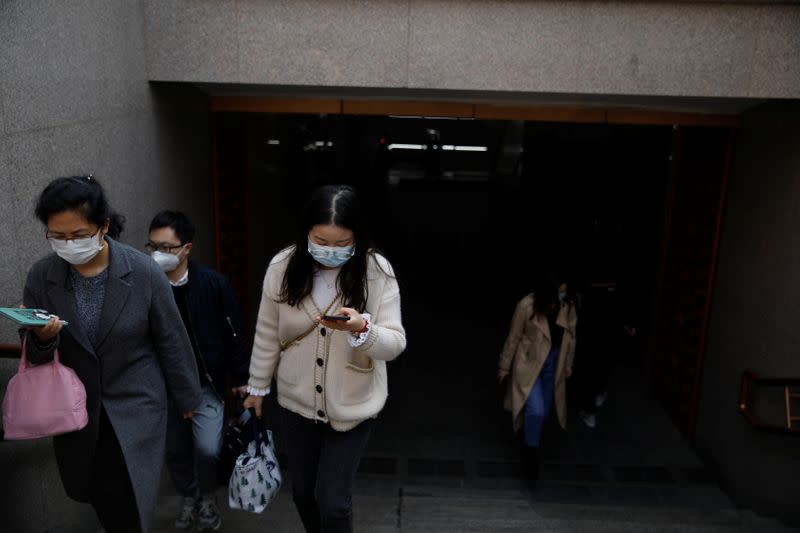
x=27, y=317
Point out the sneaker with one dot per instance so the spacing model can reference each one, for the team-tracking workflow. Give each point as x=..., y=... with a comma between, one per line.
x=186, y=518
x=589, y=419
x=208, y=518
x=600, y=399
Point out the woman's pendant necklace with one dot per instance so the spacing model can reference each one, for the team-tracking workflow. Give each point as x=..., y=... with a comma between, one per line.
x=329, y=278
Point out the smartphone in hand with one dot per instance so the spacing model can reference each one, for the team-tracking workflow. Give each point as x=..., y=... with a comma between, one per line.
x=336, y=318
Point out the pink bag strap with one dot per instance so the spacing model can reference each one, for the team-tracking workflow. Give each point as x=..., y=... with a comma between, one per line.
x=23, y=359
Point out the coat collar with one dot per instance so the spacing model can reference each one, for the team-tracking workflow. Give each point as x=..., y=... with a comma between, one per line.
x=117, y=292
x=567, y=318
x=118, y=289
x=312, y=309
x=191, y=271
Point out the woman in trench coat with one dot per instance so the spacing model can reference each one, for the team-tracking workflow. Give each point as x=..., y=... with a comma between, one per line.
x=126, y=342
x=538, y=355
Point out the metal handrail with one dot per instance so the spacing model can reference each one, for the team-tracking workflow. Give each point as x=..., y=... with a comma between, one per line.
x=9, y=351
x=749, y=379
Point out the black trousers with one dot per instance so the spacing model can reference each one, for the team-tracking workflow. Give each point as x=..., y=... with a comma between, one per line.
x=111, y=493
x=322, y=465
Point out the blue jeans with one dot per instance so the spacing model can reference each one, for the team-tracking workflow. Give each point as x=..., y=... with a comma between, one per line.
x=193, y=446
x=540, y=400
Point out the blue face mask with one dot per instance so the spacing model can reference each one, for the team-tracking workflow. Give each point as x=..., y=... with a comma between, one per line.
x=562, y=296
x=331, y=256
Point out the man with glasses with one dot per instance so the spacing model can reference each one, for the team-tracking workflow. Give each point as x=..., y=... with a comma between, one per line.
x=210, y=314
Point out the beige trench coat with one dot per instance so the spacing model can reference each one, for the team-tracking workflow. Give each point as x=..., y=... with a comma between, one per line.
x=525, y=352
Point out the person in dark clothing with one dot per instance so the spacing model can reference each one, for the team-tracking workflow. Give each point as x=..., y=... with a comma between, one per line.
x=211, y=316
x=604, y=325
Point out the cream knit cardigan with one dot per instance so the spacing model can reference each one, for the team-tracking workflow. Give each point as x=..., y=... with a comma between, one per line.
x=322, y=377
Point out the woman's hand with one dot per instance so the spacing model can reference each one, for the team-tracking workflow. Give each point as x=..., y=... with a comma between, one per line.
x=47, y=332
x=568, y=372
x=254, y=402
x=356, y=322
x=501, y=375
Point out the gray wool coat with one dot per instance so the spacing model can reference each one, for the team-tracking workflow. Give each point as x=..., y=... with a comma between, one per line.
x=143, y=351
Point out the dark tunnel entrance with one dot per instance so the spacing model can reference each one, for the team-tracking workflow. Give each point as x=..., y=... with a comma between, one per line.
x=467, y=211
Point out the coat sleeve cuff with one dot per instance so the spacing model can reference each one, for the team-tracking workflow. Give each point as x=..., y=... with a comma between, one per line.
x=258, y=391
x=357, y=340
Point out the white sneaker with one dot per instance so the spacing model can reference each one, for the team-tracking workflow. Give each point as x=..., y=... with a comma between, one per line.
x=589, y=419
x=600, y=399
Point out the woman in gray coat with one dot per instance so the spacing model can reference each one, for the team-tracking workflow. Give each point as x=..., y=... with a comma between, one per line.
x=126, y=342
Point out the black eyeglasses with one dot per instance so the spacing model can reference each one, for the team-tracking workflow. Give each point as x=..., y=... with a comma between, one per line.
x=162, y=247
x=67, y=237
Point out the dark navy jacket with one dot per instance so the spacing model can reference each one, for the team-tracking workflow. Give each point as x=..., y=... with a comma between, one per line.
x=216, y=327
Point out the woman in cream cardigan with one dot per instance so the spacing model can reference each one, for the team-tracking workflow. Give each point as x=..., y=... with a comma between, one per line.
x=330, y=374
x=538, y=354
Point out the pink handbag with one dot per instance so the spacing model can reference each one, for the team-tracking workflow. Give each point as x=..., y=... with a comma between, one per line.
x=43, y=401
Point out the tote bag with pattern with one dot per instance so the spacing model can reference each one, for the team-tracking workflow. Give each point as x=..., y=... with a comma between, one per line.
x=256, y=476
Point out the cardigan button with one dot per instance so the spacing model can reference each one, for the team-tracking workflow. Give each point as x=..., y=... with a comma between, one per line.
x=320, y=361
x=322, y=332
x=321, y=413
x=319, y=388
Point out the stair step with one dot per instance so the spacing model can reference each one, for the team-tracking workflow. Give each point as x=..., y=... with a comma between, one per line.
x=497, y=512
x=432, y=509
x=562, y=526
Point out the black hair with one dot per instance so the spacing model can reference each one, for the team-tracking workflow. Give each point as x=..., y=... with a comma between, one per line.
x=545, y=291
x=178, y=221
x=82, y=194
x=339, y=205
x=545, y=294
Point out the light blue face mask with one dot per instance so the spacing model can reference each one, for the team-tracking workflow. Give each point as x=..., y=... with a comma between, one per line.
x=331, y=256
x=562, y=296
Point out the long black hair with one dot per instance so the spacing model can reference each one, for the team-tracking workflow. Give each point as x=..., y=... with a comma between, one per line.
x=82, y=194
x=339, y=205
x=545, y=292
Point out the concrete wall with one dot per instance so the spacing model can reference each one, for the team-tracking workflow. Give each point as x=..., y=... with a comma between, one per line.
x=726, y=49
x=74, y=98
x=755, y=311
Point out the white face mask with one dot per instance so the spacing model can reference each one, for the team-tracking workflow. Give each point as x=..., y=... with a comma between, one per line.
x=167, y=261
x=331, y=256
x=78, y=251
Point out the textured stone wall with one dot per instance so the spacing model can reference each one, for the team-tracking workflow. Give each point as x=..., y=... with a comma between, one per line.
x=725, y=49
x=74, y=99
